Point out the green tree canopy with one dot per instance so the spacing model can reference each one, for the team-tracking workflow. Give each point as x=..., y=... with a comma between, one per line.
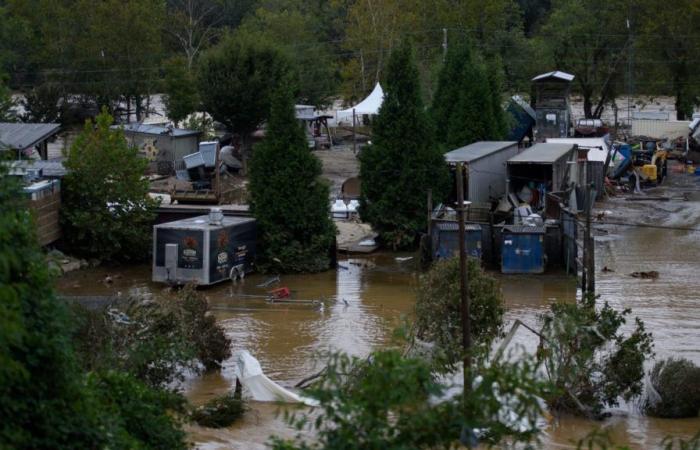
x=107, y=213
x=180, y=90
x=236, y=79
x=288, y=197
x=467, y=103
x=403, y=162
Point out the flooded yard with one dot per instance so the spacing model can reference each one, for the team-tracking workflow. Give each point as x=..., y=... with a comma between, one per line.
x=367, y=298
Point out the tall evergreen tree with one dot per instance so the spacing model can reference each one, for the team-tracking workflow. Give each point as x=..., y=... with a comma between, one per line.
x=180, y=90
x=403, y=162
x=466, y=107
x=288, y=197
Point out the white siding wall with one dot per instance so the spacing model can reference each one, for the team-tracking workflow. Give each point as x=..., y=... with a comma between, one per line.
x=487, y=176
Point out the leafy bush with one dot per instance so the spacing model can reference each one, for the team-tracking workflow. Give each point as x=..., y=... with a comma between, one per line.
x=588, y=360
x=438, y=309
x=219, y=412
x=154, y=341
x=389, y=401
x=676, y=389
x=106, y=211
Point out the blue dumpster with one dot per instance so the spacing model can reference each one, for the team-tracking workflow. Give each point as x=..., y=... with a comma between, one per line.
x=445, y=241
x=522, y=249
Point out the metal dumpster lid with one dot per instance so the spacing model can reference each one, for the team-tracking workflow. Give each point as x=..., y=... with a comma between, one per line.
x=524, y=229
x=452, y=225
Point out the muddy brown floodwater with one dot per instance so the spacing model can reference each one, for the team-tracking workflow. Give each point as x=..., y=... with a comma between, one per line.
x=368, y=297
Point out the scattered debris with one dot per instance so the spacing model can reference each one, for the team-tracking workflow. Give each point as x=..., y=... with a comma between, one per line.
x=605, y=269
x=651, y=274
x=269, y=282
x=403, y=258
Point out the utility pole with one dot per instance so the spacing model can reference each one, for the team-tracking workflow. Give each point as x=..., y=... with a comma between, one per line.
x=464, y=292
x=444, y=44
x=630, y=55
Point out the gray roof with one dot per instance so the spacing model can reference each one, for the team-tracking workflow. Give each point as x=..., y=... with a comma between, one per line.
x=202, y=223
x=21, y=136
x=477, y=150
x=52, y=168
x=556, y=74
x=542, y=154
x=136, y=127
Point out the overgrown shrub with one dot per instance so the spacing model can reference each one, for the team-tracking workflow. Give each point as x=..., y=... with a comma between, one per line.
x=156, y=341
x=388, y=401
x=106, y=211
x=219, y=412
x=590, y=362
x=438, y=309
x=676, y=389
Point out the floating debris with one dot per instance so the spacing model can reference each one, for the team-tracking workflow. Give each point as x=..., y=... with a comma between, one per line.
x=647, y=275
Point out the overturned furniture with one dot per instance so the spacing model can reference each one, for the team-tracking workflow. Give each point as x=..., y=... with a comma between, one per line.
x=203, y=250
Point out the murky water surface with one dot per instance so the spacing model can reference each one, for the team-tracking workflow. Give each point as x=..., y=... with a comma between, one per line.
x=367, y=298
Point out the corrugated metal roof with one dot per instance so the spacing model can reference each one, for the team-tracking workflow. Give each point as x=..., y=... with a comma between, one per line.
x=558, y=74
x=202, y=223
x=50, y=168
x=21, y=136
x=523, y=229
x=454, y=226
x=137, y=127
x=542, y=154
x=477, y=150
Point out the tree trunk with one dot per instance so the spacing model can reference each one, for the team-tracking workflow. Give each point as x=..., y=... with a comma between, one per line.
x=246, y=146
x=587, y=104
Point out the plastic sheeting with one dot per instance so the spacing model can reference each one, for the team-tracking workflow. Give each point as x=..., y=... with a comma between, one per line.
x=259, y=387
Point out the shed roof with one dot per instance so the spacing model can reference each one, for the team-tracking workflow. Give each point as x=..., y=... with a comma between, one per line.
x=555, y=74
x=477, y=150
x=49, y=168
x=542, y=154
x=20, y=136
x=143, y=128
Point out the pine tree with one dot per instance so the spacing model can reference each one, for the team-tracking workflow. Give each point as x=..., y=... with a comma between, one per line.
x=403, y=162
x=466, y=107
x=288, y=197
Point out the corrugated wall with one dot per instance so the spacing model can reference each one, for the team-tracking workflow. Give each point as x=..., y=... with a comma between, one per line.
x=487, y=176
x=660, y=129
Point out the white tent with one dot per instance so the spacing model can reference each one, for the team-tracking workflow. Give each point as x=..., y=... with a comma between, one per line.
x=369, y=105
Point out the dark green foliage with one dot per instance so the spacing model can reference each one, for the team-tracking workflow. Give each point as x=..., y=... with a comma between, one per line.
x=106, y=211
x=388, y=402
x=467, y=104
x=219, y=412
x=587, y=357
x=45, y=400
x=42, y=103
x=137, y=416
x=676, y=389
x=288, y=197
x=602, y=440
x=438, y=310
x=6, y=103
x=236, y=80
x=39, y=382
x=180, y=90
x=155, y=341
x=403, y=163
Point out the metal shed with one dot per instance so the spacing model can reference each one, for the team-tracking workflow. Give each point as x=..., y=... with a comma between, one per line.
x=522, y=249
x=203, y=250
x=551, y=103
x=485, y=168
x=543, y=167
x=444, y=237
x=164, y=146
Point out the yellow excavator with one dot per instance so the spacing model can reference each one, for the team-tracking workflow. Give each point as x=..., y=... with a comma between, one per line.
x=650, y=162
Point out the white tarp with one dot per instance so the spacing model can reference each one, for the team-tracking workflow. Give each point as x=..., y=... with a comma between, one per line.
x=370, y=105
x=259, y=387
x=598, y=147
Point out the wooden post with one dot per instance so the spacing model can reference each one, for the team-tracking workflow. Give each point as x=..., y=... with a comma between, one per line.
x=590, y=244
x=217, y=176
x=463, y=290
x=430, y=210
